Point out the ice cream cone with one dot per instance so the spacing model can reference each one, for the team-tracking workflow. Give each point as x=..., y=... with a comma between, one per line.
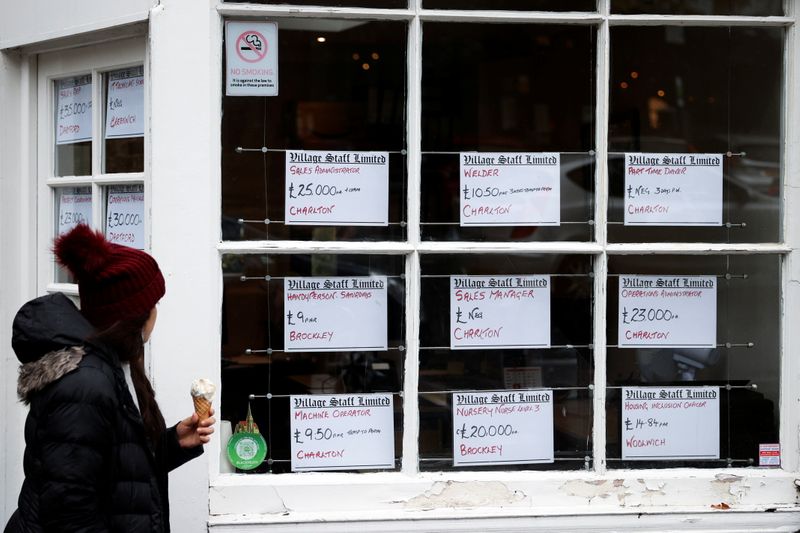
x=202, y=407
x=202, y=393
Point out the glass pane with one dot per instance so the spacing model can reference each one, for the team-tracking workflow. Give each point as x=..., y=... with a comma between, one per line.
x=346, y=93
x=124, y=219
x=567, y=366
x=334, y=3
x=679, y=90
x=73, y=126
x=73, y=206
x=703, y=7
x=521, y=5
x=746, y=358
x=507, y=88
x=254, y=356
x=124, y=121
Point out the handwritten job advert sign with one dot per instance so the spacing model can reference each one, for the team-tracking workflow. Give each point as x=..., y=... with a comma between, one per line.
x=337, y=188
x=514, y=189
x=342, y=432
x=74, y=110
x=496, y=312
x=125, y=113
x=125, y=215
x=500, y=428
x=673, y=189
x=670, y=423
x=667, y=312
x=251, y=58
x=334, y=314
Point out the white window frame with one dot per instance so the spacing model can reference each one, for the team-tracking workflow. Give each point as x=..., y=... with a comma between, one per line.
x=97, y=60
x=439, y=501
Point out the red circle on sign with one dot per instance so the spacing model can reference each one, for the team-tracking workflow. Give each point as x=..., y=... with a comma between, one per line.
x=251, y=46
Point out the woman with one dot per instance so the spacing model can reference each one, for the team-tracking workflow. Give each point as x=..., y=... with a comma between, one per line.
x=97, y=450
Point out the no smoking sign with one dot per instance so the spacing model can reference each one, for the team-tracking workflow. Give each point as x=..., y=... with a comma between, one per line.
x=251, y=46
x=251, y=56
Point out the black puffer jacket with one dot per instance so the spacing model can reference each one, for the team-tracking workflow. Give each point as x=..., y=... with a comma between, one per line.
x=88, y=466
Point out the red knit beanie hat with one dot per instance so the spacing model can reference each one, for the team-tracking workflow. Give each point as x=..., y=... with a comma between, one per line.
x=114, y=282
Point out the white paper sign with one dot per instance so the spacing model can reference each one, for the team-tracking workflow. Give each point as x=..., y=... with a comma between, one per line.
x=74, y=207
x=667, y=312
x=337, y=188
x=510, y=189
x=497, y=312
x=125, y=108
x=673, y=189
x=342, y=432
x=74, y=110
x=501, y=428
x=125, y=216
x=251, y=57
x=670, y=423
x=337, y=314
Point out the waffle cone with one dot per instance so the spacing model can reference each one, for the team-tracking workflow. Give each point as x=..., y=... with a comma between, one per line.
x=202, y=407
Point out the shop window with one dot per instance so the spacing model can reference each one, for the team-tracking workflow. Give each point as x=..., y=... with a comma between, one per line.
x=565, y=367
x=91, y=156
x=737, y=358
x=261, y=373
x=124, y=121
x=73, y=126
x=342, y=91
x=552, y=332
x=690, y=7
x=691, y=91
x=492, y=89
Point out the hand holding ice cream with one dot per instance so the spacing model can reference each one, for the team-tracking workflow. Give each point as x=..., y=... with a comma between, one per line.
x=197, y=429
x=202, y=393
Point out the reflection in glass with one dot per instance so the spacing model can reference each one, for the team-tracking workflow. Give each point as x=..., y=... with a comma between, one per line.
x=73, y=206
x=568, y=363
x=73, y=126
x=748, y=311
x=514, y=88
x=253, y=360
x=676, y=89
x=751, y=8
x=345, y=93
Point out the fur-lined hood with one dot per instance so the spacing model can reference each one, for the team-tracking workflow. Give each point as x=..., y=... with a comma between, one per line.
x=51, y=367
x=48, y=337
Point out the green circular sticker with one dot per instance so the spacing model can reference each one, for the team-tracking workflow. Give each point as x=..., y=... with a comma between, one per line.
x=246, y=451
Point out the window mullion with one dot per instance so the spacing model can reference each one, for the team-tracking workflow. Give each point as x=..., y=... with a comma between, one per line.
x=601, y=236
x=410, y=448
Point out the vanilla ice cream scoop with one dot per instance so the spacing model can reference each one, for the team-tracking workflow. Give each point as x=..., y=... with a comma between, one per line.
x=202, y=392
x=204, y=387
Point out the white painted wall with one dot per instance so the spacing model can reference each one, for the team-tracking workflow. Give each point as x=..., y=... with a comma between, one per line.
x=185, y=212
x=34, y=21
x=17, y=258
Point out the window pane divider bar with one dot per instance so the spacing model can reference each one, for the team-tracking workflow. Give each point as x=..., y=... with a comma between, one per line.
x=228, y=9
x=698, y=248
x=789, y=404
x=697, y=20
x=102, y=179
x=539, y=17
x=509, y=247
x=411, y=426
x=311, y=247
x=602, y=79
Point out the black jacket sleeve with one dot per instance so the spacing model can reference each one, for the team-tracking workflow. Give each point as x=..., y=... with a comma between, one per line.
x=175, y=455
